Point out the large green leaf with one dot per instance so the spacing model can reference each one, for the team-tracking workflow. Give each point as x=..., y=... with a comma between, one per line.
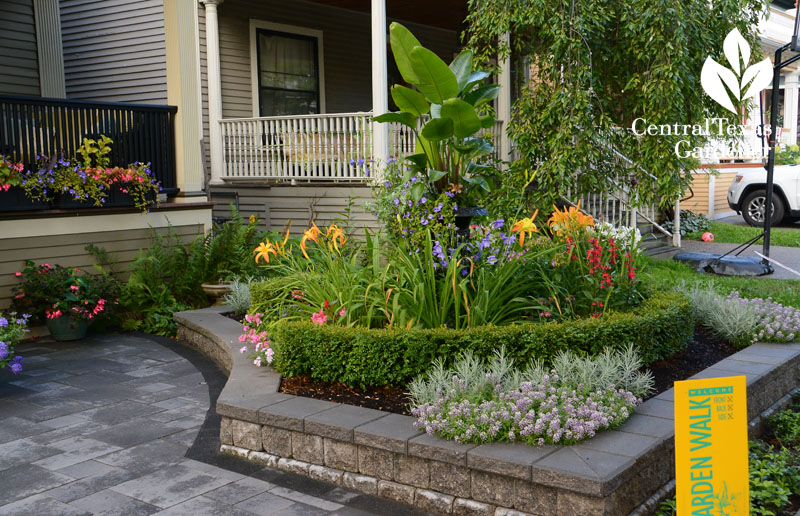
x=435, y=175
x=465, y=119
x=434, y=79
x=403, y=42
x=419, y=161
x=438, y=129
x=482, y=95
x=474, y=146
x=417, y=190
x=461, y=67
x=400, y=117
x=409, y=100
x=474, y=79
x=487, y=121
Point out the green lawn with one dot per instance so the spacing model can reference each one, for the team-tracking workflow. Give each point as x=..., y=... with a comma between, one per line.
x=728, y=233
x=669, y=273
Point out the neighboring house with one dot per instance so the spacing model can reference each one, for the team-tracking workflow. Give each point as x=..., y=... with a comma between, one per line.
x=709, y=189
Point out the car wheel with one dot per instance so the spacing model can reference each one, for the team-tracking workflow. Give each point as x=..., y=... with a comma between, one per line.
x=753, y=208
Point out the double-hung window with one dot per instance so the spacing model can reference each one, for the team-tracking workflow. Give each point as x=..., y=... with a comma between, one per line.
x=288, y=73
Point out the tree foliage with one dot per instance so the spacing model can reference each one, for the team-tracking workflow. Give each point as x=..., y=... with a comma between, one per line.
x=596, y=66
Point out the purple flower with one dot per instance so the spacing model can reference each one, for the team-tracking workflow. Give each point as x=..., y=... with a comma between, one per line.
x=424, y=221
x=18, y=359
x=360, y=162
x=438, y=208
x=497, y=224
x=396, y=201
x=450, y=194
x=423, y=200
x=3, y=322
x=492, y=259
x=387, y=184
x=16, y=368
x=352, y=163
x=3, y=350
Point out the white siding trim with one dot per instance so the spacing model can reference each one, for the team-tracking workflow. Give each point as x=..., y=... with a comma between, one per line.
x=291, y=29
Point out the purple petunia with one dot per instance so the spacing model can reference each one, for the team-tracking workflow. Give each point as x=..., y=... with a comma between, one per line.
x=16, y=368
x=3, y=322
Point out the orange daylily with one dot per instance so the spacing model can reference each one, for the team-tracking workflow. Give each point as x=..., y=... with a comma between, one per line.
x=525, y=226
x=569, y=220
x=274, y=248
x=312, y=234
x=336, y=237
x=264, y=250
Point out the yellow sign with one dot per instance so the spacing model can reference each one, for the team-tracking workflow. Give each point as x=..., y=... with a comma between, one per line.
x=711, y=458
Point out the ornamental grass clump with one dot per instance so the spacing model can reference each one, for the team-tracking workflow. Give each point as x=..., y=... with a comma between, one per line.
x=480, y=402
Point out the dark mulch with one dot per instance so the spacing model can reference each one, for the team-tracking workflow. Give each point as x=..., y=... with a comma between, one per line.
x=706, y=350
x=236, y=317
x=390, y=399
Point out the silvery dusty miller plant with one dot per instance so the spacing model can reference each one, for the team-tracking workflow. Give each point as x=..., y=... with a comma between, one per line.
x=481, y=402
x=734, y=321
x=239, y=296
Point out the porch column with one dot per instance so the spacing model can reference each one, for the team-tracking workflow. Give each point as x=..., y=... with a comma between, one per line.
x=790, y=107
x=504, y=99
x=380, y=85
x=214, y=89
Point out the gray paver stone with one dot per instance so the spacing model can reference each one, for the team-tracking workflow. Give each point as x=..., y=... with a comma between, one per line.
x=340, y=455
x=657, y=408
x=433, y=502
x=582, y=470
x=570, y=503
x=621, y=443
x=397, y=492
x=308, y=448
x=375, y=463
x=277, y=441
x=412, y=471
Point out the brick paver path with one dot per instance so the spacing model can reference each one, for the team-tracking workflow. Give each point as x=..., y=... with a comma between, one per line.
x=121, y=425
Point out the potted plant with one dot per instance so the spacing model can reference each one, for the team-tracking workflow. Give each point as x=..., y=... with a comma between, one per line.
x=66, y=300
x=446, y=112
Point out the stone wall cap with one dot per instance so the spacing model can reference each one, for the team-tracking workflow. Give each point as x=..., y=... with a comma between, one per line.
x=509, y=459
x=429, y=446
x=338, y=422
x=391, y=432
x=291, y=413
x=582, y=470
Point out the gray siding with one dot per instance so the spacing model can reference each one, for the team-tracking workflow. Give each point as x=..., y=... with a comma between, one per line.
x=346, y=47
x=299, y=205
x=114, y=50
x=19, y=66
x=69, y=251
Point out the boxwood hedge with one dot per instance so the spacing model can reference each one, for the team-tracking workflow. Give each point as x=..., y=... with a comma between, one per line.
x=659, y=327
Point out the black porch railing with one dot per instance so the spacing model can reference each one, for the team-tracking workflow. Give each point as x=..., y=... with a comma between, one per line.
x=31, y=126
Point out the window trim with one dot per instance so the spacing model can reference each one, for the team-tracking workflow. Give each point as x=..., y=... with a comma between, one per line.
x=288, y=29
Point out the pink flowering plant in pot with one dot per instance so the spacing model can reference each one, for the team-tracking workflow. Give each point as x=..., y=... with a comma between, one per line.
x=12, y=330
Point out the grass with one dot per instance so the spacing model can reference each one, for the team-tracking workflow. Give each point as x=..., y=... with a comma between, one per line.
x=668, y=273
x=728, y=233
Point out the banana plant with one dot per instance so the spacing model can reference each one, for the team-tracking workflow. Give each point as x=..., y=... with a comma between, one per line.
x=445, y=110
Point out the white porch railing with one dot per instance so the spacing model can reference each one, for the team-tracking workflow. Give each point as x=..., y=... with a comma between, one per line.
x=309, y=147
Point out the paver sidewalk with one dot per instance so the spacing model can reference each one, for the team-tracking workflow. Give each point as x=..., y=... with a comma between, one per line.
x=123, y=425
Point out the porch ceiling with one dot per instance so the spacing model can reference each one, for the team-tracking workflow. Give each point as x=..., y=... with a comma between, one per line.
x=445, y=14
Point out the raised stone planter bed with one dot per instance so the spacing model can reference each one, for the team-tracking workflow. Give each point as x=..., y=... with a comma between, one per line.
x=619, y=472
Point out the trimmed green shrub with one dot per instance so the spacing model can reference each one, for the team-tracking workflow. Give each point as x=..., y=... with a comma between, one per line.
x=659, y=327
